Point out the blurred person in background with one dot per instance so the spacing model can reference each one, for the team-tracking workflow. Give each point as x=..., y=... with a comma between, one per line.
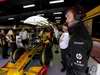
x=56, y=37
x=63, y=43
x=19, y=41
x=25, y=37
x=11, y=41
x=46, y=38
x=4, y=44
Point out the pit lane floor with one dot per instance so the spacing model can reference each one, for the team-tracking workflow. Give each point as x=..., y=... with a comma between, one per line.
x=56, y=66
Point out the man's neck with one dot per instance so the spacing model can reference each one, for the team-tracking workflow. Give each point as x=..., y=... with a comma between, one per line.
x=72, y=22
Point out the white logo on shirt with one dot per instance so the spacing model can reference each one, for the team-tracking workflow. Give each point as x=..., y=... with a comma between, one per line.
x=79, y=56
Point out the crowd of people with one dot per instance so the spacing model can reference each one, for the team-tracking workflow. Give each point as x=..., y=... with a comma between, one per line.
x=10, y=40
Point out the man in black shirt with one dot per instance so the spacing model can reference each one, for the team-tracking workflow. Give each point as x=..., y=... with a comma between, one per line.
x=79, y=47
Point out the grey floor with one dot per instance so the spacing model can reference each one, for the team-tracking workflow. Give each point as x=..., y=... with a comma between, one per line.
x=54, y=69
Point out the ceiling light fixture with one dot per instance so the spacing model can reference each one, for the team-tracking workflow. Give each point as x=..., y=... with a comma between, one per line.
x=57, y=17
x=11, y=18
x=57, y=13
x=57, y=1
x=28, y=6
x=58, y=20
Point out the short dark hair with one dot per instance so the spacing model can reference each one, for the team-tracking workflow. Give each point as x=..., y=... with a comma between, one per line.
x=76, y=10
x=73, y=10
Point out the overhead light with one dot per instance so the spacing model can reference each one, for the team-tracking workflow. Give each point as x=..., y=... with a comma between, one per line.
x=57, y=17
x=41, y=14
x=28, y=6
x=57, y=1
x=58, y=21
x=11, y=18
x=57, y=13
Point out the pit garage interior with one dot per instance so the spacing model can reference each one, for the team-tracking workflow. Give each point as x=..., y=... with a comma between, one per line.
x=30, y=62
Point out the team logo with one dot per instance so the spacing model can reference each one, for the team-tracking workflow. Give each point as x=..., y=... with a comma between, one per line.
x=79, y=56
